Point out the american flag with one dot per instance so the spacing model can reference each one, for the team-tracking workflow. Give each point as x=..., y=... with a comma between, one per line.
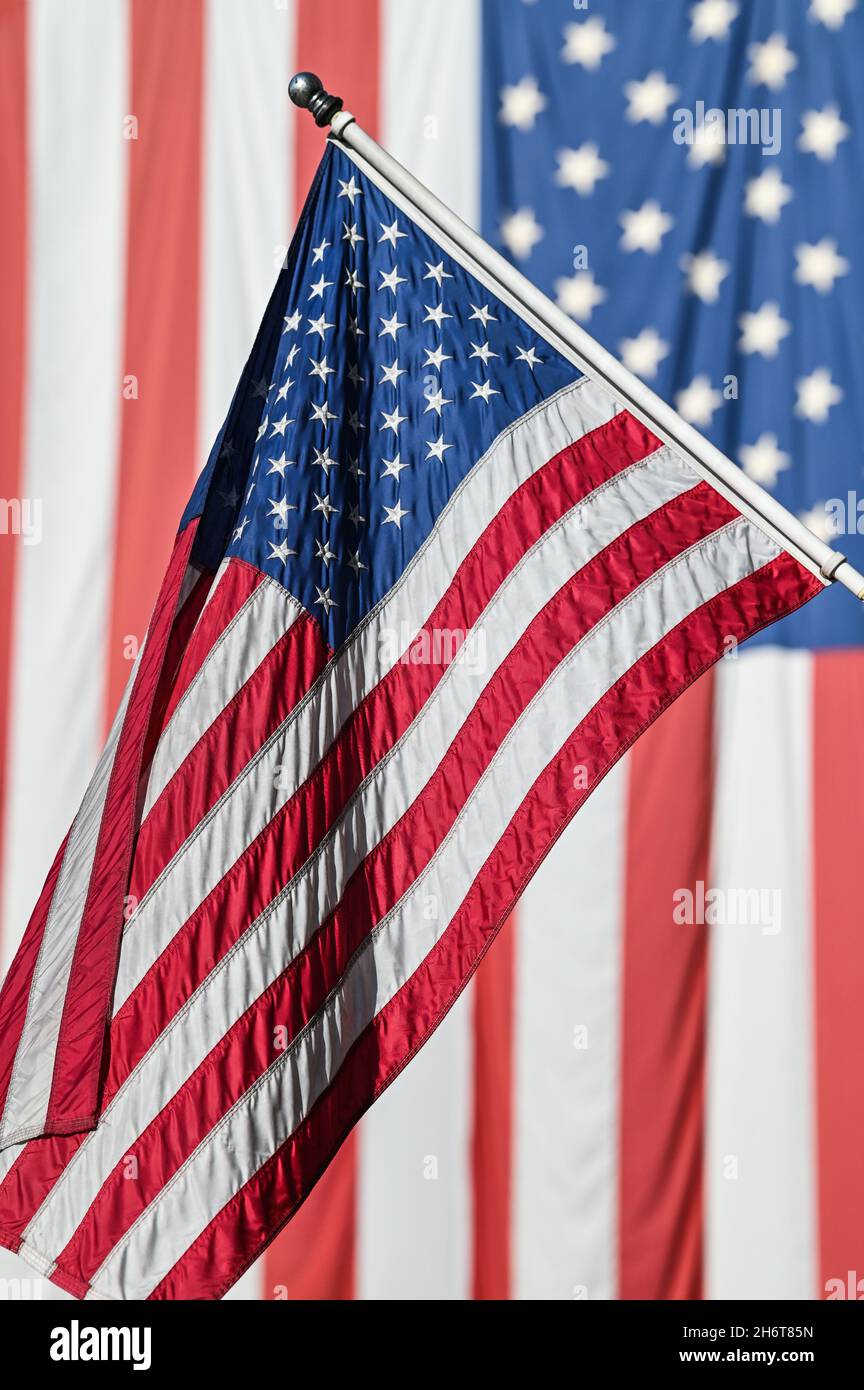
x=512, y=1158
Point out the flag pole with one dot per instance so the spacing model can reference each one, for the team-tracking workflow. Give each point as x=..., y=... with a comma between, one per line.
x=307, y=91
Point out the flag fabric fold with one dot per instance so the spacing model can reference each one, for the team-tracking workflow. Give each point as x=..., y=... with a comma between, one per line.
x=431, y=585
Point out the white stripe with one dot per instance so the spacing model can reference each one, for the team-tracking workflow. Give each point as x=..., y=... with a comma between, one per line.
x=301, y=742
x=78, y=96
x=261, y=1121
x=414, y=1202
x=567, y=1016
x=430, y=96
x=288, y=923
x=258, y=625
x=29, y=1090
x=394, y=783
x=247, y=177
x=759, y=1157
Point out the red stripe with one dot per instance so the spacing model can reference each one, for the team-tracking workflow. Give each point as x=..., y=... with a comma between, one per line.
x=237, y=1232
x=235, y=586
x=344, y=43
x=15, y=993
x=254, y=713
x=838, y=779
x=157, y=461
x=13, y=338
x=492, y=1140
x=246, y=1051
x=663, y=1007
x=87, y=1006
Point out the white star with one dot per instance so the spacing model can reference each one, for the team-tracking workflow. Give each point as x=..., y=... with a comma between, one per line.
x=259, y=389
x=319, y=326
x=289, y=356
x=586, y=43
x=436, y=401
x=318, y=288
x=355, y=470
x=705, y=273
x=822, y=132
x=322, y=413
x=391, y=326
x=763, y=460
x=579, y=295
x=766, y=196
x=392, y=373
x=435, y=314
x=355, y=563
x=394, y=515
x=354, y=375
x=391, y=233
x=484, y=391
x=320, y=368
x=708, y=145
x=581, y=168
x=353, y=281
x=434, y=357
x=354, y=516
x=280, y=510
x=351, y=234
x=323, y=460
x=816, y=395
x=520, y=232
x=521, y=104
x=280, y=551
x=698, y=401
x=437, y=448
x=483, y=351
x=282, y=393
x=279, y=465
x=644, y=353
x=393, y=467
x=771, y=62
x=238, y=534
x=323, y=504
x=820, y=521
x=318, y=251
x=354, y=422
x=349, y=190
x=763, y=330
x=528, y=356
x=831, y=13
x=819, y=265
x=645, y=229
x=292, y=322
x=323, y=597
x=279, y=426
x=323, y=552
x=483, y=314
x=437, y=273
x=649, y=99
x=390, y=279
x=392, y=421
x=710, y=19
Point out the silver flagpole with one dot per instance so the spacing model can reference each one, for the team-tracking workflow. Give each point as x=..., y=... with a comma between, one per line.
x=307, y=91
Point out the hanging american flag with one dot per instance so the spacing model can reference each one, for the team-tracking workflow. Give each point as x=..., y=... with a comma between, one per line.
x=431, y=585
x=572, y=1127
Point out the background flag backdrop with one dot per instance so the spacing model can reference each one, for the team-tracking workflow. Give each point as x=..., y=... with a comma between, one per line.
x=619, y=1106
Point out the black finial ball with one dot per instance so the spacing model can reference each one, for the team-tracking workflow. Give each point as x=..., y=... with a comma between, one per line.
x=307, y=90
x=303, y=87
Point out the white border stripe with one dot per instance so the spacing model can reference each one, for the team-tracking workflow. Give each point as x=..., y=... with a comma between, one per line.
x=261, y=1121
x=760, y=1154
